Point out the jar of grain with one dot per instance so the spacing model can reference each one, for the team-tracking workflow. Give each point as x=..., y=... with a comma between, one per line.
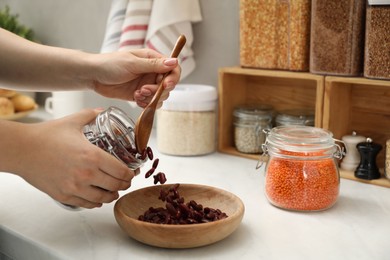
x=275, y=34
x=337, y=37
x=295, y=117
x=301, y=173
x=249, y=123
x=186, y=123
x=377, y=47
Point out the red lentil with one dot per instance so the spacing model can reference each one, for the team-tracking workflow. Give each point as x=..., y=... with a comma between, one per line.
x=298, y=184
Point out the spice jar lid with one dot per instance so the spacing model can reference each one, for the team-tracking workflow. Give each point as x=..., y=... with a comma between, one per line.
x=191, y=97
x=254, y=112
x=295, y=117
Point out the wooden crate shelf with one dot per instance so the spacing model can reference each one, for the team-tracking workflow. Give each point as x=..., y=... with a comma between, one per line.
x=361, y=105
x=281, y=89
x=341, y=104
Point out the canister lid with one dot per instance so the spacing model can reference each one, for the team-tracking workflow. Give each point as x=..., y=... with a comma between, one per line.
x=191, y=97
x=254, y=112
x=295, y=117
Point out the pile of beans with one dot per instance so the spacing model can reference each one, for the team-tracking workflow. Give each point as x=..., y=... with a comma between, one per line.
x=178, y=212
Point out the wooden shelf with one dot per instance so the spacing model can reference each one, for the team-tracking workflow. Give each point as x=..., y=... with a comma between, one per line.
x=360, y=105
x=341, y=104
x=281, y=89
x=380, y=182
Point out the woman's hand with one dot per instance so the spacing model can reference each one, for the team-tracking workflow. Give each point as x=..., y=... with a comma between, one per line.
x=56, y=158
x=134, y=75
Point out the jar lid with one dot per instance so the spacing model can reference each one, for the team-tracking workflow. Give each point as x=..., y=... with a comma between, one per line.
x=296, y=138
x=254, y=112
x=191, y=97
x=295, y=117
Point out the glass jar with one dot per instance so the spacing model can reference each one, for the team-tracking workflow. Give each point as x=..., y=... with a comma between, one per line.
x=249, y=123
x=377, y=48
x=275, y=34
x=295, y=117
x=113, y=131
x=301, y=173
x=337, y=37
x=186, y=123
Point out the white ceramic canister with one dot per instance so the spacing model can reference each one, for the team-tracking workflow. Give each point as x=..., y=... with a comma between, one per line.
x=186, y=123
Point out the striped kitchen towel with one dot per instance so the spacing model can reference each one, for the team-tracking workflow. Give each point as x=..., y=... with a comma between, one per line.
x=152, y=24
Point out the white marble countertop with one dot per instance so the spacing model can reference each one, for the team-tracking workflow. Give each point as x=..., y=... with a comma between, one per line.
x=32, y=226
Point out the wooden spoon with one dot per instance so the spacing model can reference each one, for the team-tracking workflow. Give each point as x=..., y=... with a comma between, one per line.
x=144, y=124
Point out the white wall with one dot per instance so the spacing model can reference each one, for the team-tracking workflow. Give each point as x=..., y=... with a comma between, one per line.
x=80, y=24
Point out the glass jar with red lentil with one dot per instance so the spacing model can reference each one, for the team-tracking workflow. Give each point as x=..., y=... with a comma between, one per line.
x=301, y=173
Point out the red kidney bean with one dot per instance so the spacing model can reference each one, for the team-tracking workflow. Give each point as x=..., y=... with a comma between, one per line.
x=161, y=178
x=178, y=213
x=155, y=163
x=149, y=173
x=149, y=153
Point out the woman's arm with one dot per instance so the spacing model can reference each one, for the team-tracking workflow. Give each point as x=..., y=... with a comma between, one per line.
x=131, y=75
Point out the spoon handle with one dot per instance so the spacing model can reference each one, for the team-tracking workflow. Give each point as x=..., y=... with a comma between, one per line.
x=181, y=41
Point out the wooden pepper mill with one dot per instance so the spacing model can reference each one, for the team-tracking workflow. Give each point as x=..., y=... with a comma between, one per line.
x=367, y=168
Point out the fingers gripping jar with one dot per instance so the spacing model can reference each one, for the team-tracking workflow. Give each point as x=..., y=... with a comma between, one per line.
x=113, y=131
x=302, y=173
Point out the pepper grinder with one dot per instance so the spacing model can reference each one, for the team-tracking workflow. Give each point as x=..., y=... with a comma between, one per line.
x=367, y=168
x=352, y=157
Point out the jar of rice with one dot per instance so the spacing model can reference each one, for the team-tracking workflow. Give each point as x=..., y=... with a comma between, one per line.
x=186, y=123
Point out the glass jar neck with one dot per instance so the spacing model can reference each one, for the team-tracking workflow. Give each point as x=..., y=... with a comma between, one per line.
x=117, y=130
x=300, y=142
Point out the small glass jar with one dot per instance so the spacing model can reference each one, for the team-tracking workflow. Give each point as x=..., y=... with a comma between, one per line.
x=295, y=117
x=302, y=173
x=113, y=131
x=249, y=123
x=186, y=123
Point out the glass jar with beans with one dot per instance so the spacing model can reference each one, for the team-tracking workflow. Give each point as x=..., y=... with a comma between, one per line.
x=113, y=131
x=302, y=173
x=249, y=123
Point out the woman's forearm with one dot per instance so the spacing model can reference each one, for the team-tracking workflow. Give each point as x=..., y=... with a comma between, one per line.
x=26, y=65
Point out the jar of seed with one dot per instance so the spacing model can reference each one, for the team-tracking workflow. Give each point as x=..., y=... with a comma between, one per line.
x=337, y=37
x=301, y=173
x=295, y=117
x=186, y=123
x=275, y=34
x=377, y=48
x=249, y=123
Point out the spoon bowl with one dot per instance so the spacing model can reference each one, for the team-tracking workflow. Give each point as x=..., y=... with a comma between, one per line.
x=144, y=124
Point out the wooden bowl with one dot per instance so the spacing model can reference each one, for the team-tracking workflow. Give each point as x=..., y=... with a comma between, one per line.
x=130, y=206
